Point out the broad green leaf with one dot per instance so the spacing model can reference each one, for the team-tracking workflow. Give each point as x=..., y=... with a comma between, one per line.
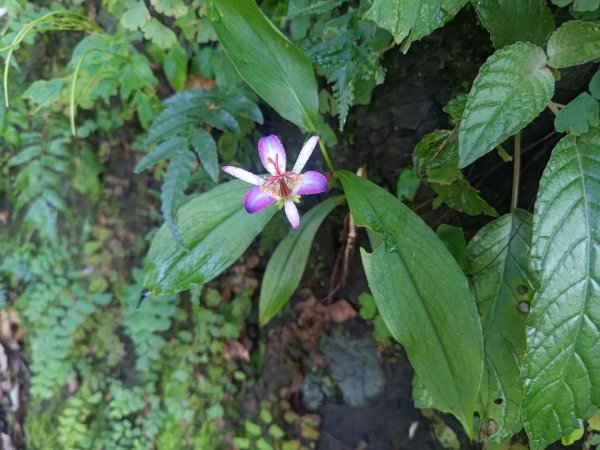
x=411, y=20
x=136, y=16
x=437, y=155
x=43, y=92
x=595, y=85
x=561, y=370
x=408, y=184
x=172, y=8
x=216, y=231
x=174, y=183
x=502, y=282
x=579, y=5
x=463, y=197
x=162, y=151
x=510, y=21
x=575, y=42
x=189, y=109
x=274, y=67
x=175, y=66
x=159, y=34
x=205, y=147
x=454, y=240
x=286, y=266
x=578, y=115
x=513, y=86
x=423, y=297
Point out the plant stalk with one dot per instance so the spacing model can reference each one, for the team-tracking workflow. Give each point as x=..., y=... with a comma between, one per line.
x=516, y=172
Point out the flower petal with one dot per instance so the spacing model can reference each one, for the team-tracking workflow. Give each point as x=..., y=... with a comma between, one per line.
x=292, y=213
x=311, y=183
x=305, y=153
x=272, y=154
x=256, y=200
x=244, y=175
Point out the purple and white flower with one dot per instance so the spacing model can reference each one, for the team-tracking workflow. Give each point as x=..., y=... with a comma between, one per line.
x=281, y=187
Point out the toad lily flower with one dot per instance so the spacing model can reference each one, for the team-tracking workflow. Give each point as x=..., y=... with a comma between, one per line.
x=283, y=187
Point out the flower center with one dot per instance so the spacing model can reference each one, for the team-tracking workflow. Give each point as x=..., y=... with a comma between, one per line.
x=281, y=185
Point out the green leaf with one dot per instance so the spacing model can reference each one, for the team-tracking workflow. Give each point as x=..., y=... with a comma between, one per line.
x=43, y=92
x=136, y=16
x=205, y=147
x=595, y=85
x=171, y=8
x=437, y=155
x=513, y=86
x=175, y=66
x=579, y=5
x=215, y=229
x=578, y=115
x=175, y=182
x=463, y=197
x=274, y=67
x=408, y=184
x=192, y=108
x=423, y=297
x=502, y=282
x=575, y=42
x=561, y=371
x=410, y=20
x=159, y=34
x=454, y=240
x=510, y=21
x=162, y=151
x=286, y=266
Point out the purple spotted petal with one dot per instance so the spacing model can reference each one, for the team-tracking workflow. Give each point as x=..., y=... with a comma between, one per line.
x=292, y=213
x=311, y=183
x=243, y=175
x=256, y=200
x=305, y=153
x=272, y=154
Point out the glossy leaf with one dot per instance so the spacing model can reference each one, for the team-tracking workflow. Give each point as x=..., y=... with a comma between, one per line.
x=286, y=266
x=411, y=20
x=272, y=65
x=423, y=297
x=561, y=366
x=513, y=86
x=510, y=21
x=216, y=231
x=578, y=115
x=575, y=42
x=503, y=283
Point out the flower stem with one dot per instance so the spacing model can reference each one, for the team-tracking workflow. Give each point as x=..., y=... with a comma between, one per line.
x=516, y=172
x=326, y=157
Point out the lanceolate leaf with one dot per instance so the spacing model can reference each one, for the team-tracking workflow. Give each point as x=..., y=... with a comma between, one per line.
x=575, y=42
x=502, y=282
x=162, y=151
x=423, y=297
x=512, y=88
x=411, y=20
x=216, y=231
x=510, y=21
x=561, y=366
x=205, y=147
x=174, y=184
x=274, y=67
x=287, y=264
